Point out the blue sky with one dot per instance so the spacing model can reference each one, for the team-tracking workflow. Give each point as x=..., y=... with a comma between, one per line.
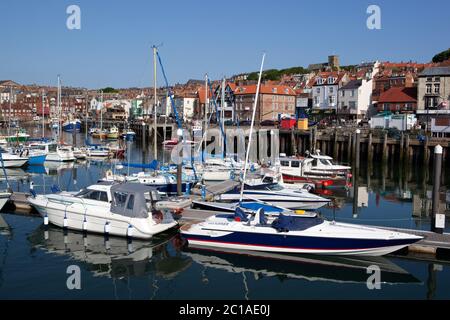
x=221, y=38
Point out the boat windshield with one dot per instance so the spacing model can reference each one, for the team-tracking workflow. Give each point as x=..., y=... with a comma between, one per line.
x=274, y=187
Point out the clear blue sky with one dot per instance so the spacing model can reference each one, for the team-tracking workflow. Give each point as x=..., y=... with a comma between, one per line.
x=215, y=37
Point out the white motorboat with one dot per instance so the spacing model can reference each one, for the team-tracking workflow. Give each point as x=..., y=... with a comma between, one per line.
x=79, y=153
x=293, y=234
x=117, y=209
x=55, y=152
x=12, y=160
x=97, y=151
x=276, y=195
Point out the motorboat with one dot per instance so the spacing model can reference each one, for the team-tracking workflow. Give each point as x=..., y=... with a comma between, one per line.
x=97, y=151
x=275, y=194
x=100, y=134
x=54, y=152
x=126, y=209
x=129, y=135
x=293, y=234
x=315, y=168
x=4, y=198
x=79, y=153
x=113, y=133
x=35, y=157
x=12, y=160
x=72, y=125
x=20, y=137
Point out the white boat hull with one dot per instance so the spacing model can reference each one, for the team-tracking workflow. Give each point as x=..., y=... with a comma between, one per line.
x=84, y=217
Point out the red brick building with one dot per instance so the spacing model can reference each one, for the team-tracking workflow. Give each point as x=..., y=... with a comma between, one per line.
x=398, y=99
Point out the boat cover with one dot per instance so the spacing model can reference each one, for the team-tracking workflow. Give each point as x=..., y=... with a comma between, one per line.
x=128, y=199
x=286, y=223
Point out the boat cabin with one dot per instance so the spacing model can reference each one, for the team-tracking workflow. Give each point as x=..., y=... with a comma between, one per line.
x=133, y=199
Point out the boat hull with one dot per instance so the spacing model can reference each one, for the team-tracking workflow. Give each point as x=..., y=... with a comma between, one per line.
x=82, y=217
x=318, y=182
x=72, y=127
x=37, y=160
x=14, y=163
x=297, y=244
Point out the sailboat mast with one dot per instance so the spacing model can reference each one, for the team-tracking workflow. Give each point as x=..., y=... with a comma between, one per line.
x=10, y=104
x=222, y=115
x=251, y=129
x=155, y=128
x=43, y=116
x=206, y=110
x=101, y=111
x=58, y=103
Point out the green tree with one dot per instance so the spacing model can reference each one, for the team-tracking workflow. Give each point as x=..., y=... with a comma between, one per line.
x=442, y=56
x=109, y=90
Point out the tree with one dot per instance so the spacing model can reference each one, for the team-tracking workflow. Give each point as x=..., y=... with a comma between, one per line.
x=442, y=56
x=109, y=90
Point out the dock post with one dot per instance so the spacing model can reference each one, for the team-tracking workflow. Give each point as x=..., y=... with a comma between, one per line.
x=369, y=148
x=437, y=219
x=402, y=142
x=357, y=149
x=385, y=150
x=425, y=151
x=335, y=145
x=179, y=165
x=349, y=148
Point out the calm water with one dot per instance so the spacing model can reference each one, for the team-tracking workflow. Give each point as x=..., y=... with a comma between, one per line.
x=34, y=260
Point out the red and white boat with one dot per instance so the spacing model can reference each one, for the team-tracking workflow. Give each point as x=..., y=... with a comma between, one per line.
x=174, y=141
x=316, y=168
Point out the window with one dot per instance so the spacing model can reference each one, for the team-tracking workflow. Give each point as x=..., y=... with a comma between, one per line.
x=352, y=104
x=130, y=203
x=437, y=79
x=284, y=163
x=318, y=90
x=352, y=93
x=120, y=198
x=429, y=88
x=437, y=88
x=295, y=164
x=316, y=100
x=386, y=107
x=319, y=81
x=103, y=196
x=331, y=80
x=343, y=93
x=331, y=90
x=429, y=79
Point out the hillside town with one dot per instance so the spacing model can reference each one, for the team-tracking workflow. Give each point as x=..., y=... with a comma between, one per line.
x=370, y=93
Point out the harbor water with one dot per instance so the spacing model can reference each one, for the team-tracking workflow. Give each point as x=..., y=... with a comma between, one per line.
x=35, y=261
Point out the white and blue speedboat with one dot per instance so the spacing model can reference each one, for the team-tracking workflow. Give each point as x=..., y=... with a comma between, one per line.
x=293, y=234
x=72, y=125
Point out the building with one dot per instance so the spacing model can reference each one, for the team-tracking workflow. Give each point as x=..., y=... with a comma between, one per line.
x=229, y=100
x=186, y=107
x=325, y=90
x=331, y=65
x=273, y=101
x=398, y=100
x=355, y=100
x=434, y=89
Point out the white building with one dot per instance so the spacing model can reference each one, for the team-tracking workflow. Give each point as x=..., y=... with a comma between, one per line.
x=325, y=89
x=355, y=99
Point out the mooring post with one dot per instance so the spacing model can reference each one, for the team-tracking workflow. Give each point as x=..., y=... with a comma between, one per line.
x=357, y=149
x=402, y=142
x=180, y=164
x=385, y=151
x=369, y=148
x=335, y=146
x=425, y=151
x=437, y=219
x=349, y=147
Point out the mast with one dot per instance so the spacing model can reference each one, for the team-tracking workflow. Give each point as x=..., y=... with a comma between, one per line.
x=155, y=128
x=101, y=111
x=9, y=118
x=222, y=115
x=251, y=129
x=206, y=111
x=58, y=103
x=43, y=119
x=86, y=116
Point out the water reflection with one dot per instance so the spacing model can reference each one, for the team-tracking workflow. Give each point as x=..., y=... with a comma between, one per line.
x=304, y=267
x=112, y=257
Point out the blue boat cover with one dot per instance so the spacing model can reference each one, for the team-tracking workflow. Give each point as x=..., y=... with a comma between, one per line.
x=292, y=223
x=152, y=165
x=257, y=205
x=239, y=214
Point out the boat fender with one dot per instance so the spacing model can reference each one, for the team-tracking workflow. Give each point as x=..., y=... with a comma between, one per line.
x=232, y=175
x=85, y=241
x=46, y=235
x=84, y=224
x=107, y=227
x=46, y=220
x=130, y=231
x=107, y=245
x=65, y=222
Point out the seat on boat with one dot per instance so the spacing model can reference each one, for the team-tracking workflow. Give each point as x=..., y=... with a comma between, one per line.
x=239, y=215
x=286, y=223
x=259, y=218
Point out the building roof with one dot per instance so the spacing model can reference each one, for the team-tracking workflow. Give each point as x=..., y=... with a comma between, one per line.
x=399, y=94
x=265, y=89
x=202, y=95
x=353, y=84
x=435, y=71
x=325, y=75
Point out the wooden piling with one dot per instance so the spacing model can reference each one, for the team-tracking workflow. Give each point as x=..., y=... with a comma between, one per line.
x=369, y=148
x=385, y=150
x=402, y=141
x=335, y=145
x=349, y=148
